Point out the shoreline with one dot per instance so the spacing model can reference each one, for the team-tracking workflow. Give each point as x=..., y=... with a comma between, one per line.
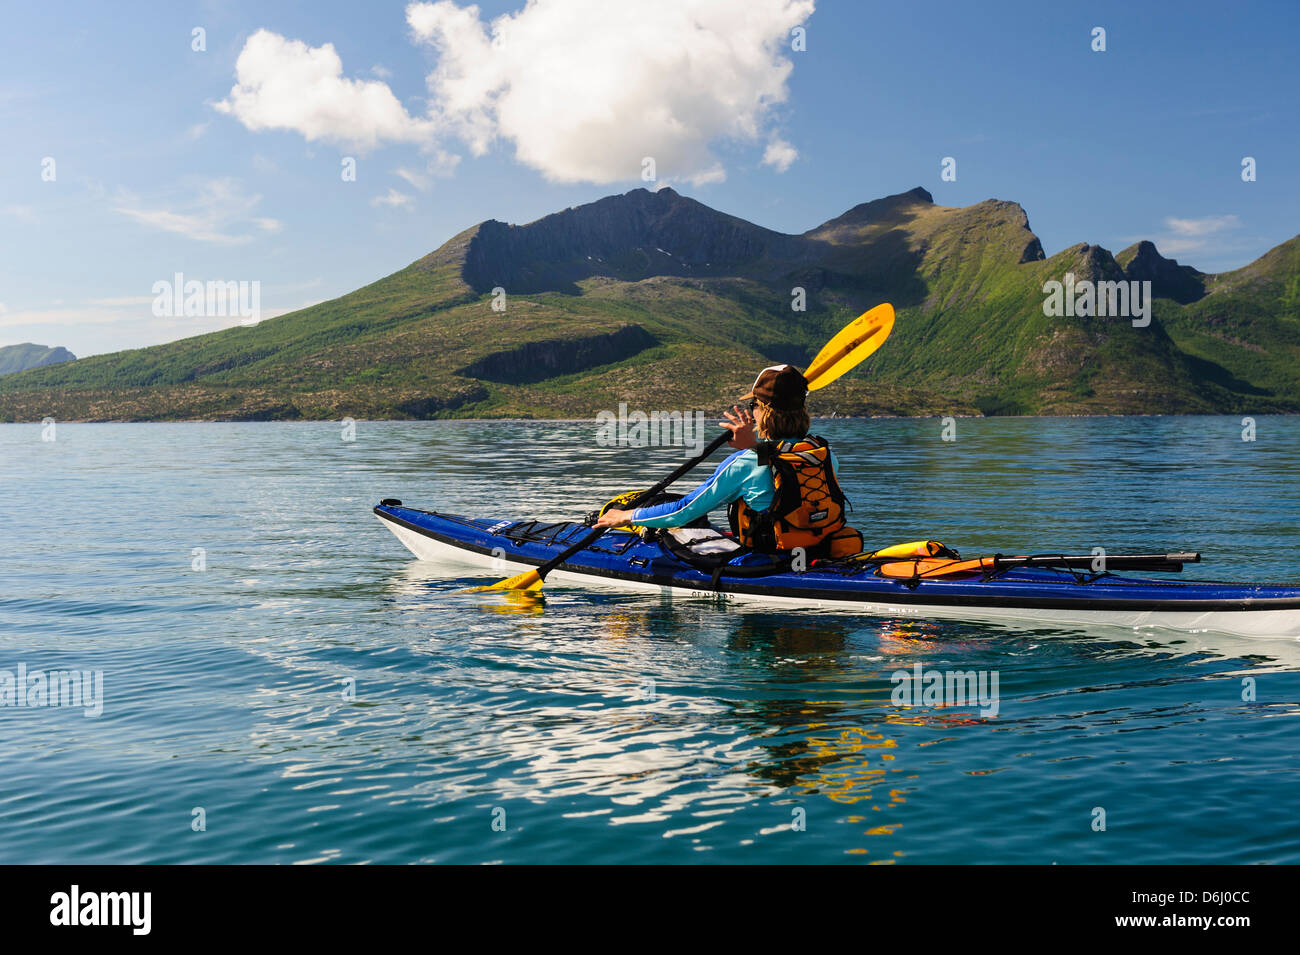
x=935, y=417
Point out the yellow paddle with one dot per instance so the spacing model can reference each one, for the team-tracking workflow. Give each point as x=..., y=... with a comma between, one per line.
x=853, y=343
x=850, y=346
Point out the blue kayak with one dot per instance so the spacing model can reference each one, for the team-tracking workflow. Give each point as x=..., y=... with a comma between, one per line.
x=1004, y=591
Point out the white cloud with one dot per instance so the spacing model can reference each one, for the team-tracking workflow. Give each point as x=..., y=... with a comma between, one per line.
x=779, y=154
x=42, y=320
x=286, y=84
x=104, y=325
x=219, y=207
x=1202, y=226
x=126, y=300
x=416, y=179
x=394, y=199
x=22, y=213
x=585, y=89
x=439, y=164
x=1194, y=235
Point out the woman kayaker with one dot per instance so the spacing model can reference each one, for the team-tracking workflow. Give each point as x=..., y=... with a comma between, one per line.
x=781, y=491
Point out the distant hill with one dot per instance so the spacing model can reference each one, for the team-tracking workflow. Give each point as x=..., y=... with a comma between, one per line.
x=21, y=357
x=657, y=300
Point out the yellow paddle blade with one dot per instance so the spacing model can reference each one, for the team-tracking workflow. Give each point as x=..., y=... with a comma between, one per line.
x=515, y=602
x=854, y=343
x=528, y=580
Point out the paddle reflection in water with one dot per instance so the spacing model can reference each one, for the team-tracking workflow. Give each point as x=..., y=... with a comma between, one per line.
x=682, y=723
x=802, y=712
x=857, y=764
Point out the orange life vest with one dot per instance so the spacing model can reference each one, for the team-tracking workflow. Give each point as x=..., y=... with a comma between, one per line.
x=808, y=508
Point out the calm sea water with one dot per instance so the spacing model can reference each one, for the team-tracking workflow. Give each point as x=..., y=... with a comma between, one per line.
x=770, y=737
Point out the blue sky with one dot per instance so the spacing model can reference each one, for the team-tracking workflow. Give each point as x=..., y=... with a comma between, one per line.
x=160, y=168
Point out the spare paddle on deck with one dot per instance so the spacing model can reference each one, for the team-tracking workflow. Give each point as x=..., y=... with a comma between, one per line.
x=932, y=568
x=851, y=345
x=1169, y=563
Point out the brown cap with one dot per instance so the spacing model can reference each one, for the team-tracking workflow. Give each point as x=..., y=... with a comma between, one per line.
x=781, y=386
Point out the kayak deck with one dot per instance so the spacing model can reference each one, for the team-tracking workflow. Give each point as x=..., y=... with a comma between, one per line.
x=623, y=560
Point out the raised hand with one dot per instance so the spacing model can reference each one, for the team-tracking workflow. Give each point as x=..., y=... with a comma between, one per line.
x=741, y=424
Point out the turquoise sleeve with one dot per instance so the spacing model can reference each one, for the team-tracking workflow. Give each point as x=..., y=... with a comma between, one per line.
x=726, y=484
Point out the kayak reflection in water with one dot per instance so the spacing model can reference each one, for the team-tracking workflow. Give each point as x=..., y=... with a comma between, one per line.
x=779, y=487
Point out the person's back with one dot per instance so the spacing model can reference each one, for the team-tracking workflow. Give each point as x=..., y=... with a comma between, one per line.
x=781, y=491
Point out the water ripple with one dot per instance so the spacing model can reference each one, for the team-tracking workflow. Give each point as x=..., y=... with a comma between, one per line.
x=275, y=666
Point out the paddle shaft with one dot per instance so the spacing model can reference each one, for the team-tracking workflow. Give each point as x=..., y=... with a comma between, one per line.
x=595, y=535
x=1170, y=563
x=1165, y=563
x=1081, y=561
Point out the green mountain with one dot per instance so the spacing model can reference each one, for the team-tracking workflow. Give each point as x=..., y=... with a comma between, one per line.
x=657, y=300
x=14, y=358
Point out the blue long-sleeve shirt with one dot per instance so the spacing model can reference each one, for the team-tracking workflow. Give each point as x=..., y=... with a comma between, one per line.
x=738, y=476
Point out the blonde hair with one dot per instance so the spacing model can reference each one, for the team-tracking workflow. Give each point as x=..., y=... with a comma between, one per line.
x=776, y=424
